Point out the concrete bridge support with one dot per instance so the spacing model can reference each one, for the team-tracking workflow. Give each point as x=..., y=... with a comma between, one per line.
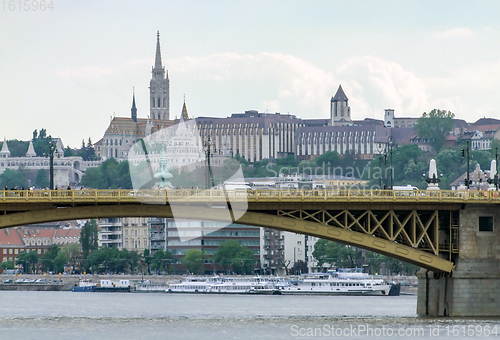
x=472, y=289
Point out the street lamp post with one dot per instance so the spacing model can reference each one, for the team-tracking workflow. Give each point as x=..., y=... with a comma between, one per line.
x=387, y=149
x=52, y=149
x=382, y=149
x=391, y=145
x=209, y=178
x=466, y=154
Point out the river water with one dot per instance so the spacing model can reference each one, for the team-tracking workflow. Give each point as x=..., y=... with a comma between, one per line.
x=67, y=315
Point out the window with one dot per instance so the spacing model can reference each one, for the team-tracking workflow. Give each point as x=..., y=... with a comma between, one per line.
x=486, y=223
x=5, y=251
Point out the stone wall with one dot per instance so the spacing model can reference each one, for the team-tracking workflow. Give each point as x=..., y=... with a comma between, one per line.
x=472, y=289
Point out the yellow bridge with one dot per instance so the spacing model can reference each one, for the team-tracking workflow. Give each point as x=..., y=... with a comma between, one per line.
x=419, y=227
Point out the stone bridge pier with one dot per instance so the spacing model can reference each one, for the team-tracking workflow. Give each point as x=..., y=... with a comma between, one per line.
x=473, y=287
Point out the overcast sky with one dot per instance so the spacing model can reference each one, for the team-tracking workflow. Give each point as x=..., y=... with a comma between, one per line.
x=71, y=68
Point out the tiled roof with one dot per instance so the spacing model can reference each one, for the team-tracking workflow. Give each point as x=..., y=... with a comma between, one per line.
x=486, y=121
x=10, y=237
x=263, y=120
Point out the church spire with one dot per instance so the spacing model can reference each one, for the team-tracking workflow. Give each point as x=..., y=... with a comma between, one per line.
x=158, y=65
x=159, y=88
x=134, y=109
x=184, y=114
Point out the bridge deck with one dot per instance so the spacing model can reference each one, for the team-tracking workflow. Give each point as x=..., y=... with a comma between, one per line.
x=70, y=197
x=419, y=227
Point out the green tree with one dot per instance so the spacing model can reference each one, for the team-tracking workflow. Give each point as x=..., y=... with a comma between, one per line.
x=68, y=152
x=41, y=142
x=89, y=237
x=74, y=256
x=231, y=254
x=241, y=160
x=60, y=261
x=161, y=261
x=7, y=265
x=109, y=175
x=434, y=126
x=28, y=260
x=49, y=257
x=329, y=159
x=334, y=254
x=12, y=179
x=42, y=178
x=194, y=261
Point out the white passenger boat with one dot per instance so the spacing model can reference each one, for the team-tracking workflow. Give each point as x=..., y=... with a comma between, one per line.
x=337, y=283
x=194, y=285
x=225, y=285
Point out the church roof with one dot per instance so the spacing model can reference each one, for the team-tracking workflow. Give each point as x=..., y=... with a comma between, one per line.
x=340, y=95
x=31, y=150
x=121, y=125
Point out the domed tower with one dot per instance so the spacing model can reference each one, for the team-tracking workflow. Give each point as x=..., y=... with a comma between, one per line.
x=159, y=88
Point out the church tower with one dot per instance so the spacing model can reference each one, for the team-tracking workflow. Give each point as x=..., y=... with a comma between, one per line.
x=340, y=112
x=389, y=118
x=159, y=88
x=133, y=110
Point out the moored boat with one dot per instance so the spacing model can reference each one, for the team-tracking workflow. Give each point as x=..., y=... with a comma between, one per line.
x=84, y=286
x=226, y=285
x=113, y=286
x=337, y=283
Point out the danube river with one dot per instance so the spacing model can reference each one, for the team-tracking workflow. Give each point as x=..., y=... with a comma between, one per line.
x=67, y=315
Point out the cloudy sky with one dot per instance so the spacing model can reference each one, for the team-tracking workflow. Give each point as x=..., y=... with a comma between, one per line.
x=71, y=68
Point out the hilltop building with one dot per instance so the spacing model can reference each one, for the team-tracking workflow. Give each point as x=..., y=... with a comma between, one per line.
x=67, y=170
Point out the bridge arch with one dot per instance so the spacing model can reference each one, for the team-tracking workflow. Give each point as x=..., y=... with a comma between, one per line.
x=368, y=242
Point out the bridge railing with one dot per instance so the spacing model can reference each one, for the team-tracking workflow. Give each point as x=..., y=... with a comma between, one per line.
x=251, y=195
